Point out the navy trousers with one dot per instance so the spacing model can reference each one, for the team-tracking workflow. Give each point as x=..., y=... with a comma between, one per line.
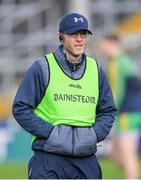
x=52, y=166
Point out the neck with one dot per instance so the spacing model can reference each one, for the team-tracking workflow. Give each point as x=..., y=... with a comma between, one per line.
x=116, y=51
x=71, y=57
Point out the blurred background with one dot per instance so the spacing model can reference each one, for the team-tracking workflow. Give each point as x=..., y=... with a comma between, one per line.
x=28, y=30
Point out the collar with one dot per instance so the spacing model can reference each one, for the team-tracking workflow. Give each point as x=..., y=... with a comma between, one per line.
x=61, y=56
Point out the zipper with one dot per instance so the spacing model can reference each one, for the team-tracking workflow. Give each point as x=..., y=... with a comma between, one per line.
x=74, y=68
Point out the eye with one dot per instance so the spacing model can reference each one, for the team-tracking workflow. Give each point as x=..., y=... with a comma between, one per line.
x=84, y=34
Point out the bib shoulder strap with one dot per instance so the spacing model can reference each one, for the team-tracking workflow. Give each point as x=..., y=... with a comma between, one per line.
x=49, y=56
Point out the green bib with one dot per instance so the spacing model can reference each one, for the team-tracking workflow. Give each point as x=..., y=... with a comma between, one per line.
x=68, y=101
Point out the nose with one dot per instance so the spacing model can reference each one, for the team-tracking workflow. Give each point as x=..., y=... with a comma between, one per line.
x=78, y=37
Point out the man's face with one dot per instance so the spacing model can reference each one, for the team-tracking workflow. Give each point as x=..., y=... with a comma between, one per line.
x=75, y=43
x=108, y=48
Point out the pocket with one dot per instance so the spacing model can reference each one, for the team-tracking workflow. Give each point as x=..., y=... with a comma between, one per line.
x=30, y=166
x=93, y=140
x=60, y=140
x=84, y=142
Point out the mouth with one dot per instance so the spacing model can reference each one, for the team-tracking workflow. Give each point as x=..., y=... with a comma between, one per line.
x=79, y=46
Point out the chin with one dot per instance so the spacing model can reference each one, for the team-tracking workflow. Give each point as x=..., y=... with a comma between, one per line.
x=78, y=53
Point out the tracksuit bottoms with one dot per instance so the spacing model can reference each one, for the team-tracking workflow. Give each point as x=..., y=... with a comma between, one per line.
x=45, y=165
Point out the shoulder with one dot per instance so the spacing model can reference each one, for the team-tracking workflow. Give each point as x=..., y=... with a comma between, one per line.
x=94, y=60
x=125, y=60
x=37, y=65
x=127, y=65
x=101, y=73
x=38, y=70
x=40, y=65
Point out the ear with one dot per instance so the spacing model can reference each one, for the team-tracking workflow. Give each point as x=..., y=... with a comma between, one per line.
x=58, y=34
x=60, y=37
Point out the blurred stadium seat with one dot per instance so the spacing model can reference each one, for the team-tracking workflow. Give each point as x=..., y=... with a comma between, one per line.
x=28, y=30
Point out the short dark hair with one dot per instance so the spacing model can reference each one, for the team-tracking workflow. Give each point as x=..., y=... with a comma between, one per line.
x=112, y=37
x=61, y=37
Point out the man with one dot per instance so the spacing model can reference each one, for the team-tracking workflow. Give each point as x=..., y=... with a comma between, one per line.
x=122, y=75
x=66, y=103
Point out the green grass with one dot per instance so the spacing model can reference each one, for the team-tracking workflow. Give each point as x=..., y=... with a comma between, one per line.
x=110, y=170
x=19, y=171
x=13, y=171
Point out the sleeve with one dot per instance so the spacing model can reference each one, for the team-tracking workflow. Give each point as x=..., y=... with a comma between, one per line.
x=106, y=110
x=127, y=72
x=28, y=96
x=128, y=66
